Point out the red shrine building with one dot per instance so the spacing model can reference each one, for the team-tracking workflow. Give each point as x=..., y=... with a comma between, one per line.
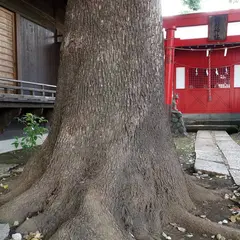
x=202, y=63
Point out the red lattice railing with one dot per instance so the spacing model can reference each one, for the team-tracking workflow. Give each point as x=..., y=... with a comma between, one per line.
x=219, y=78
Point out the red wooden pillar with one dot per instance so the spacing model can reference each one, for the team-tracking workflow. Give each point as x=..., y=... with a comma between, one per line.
x=169, y=64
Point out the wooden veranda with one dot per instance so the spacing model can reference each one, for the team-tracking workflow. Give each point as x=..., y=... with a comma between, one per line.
x=22, y=94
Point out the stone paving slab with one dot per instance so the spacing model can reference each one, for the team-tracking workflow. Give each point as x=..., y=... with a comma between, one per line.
x=235, y=175
x=233, y=159
x=231, y=151
x=222, y=138
x=4, y=231
x=217, y=152
x=212, y=156
x=202, y=144
x=226, y=145
x=212, y=167
x=204, y=134
x=220, y=134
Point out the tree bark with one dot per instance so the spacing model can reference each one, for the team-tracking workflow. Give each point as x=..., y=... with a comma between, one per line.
x=108, y=169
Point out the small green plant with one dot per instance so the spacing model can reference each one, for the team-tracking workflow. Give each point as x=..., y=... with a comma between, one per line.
x=32, y=131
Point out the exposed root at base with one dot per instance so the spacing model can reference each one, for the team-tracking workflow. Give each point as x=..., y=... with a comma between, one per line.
x=32, y=172
x=62, y=220
x=93, y=221
x=17, y=189
x=28, y=203
x=47, y=222
x=201, y=194
x=202, y=226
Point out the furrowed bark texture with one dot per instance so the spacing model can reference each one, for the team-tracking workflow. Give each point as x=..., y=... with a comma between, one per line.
x=109, y=168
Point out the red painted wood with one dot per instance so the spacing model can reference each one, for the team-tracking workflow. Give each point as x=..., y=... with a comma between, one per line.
x=203, y=41
x=198, y=59
x=224, y=100
x=197, y=19
x=169, y=65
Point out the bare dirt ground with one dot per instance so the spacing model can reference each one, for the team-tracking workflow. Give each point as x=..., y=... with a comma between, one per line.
x=225, y=212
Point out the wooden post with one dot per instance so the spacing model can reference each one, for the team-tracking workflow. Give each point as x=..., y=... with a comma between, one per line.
x=169, y=65
x=43, y=91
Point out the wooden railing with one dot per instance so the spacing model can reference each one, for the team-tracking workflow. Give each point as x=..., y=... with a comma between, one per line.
x=30, y=91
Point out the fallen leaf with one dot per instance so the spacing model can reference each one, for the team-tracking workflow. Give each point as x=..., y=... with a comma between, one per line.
x=17, y=236
x=233, y=219
x=220, y=237
x=38, y=235
x=173, y=224
x=166, y=236
x=16, y=223
x=181, y=229
x=226, y=196
x=235, y=210
x=225, y=221
x=4, y=186
x=234, y=199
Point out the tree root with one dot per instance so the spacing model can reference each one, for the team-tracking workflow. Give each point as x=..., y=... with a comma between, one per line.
x=70, y=216
x=93, y=221
x=202, y=226
x=201, y=194
x=61, y=208
x=71, y=211
x=16, y=189
x=28, y=203
x=33, y=170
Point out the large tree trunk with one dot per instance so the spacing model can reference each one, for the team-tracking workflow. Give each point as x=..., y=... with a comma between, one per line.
x=108, y=170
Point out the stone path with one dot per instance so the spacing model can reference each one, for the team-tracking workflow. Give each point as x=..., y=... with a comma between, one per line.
x=4, y=231
x=216, y=152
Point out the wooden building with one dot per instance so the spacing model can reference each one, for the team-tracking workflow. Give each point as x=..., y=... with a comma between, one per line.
x=30, y=34
x=204, y=71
